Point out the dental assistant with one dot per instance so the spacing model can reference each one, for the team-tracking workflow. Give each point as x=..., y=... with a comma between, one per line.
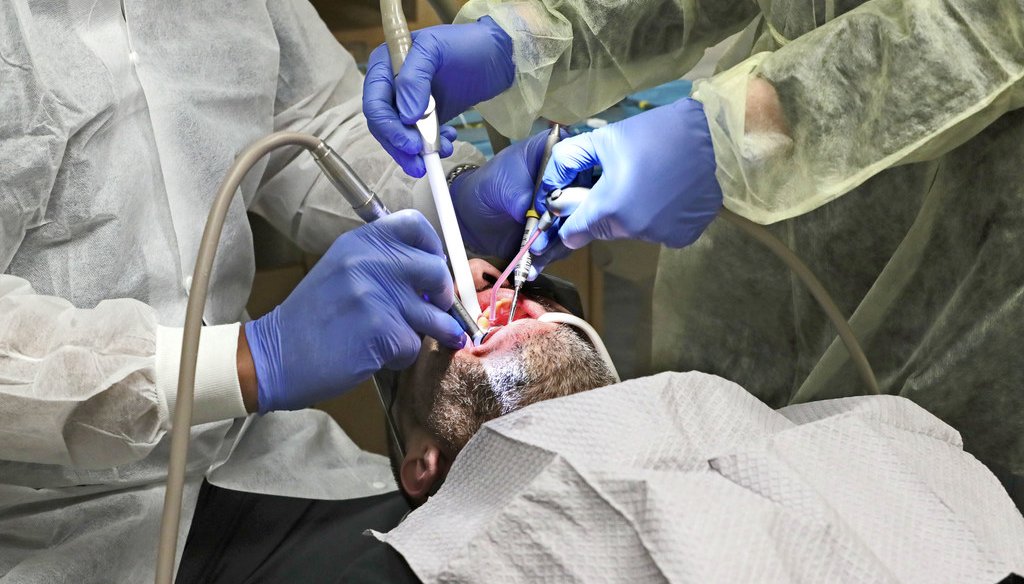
x=119, y=120
x=882, y=140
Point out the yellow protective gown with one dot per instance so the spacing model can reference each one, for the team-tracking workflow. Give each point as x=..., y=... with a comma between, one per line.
x=901, y=184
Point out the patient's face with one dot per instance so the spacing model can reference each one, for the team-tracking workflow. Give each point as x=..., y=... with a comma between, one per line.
x=447, y=395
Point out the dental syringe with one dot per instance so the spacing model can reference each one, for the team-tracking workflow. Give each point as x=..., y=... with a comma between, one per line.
x=399, y=41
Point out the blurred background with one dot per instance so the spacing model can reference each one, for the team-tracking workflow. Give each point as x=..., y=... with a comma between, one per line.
x=614, y=280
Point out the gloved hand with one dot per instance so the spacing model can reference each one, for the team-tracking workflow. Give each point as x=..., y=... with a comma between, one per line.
x=491, y=201
x=658, y=179
x=358, y=310
x=459, y=64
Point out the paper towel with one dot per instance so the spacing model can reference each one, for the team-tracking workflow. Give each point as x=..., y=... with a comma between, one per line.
x=686, y=477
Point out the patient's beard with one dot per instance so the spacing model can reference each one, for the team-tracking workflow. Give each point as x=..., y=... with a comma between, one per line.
x=545, y=366
x=540, y=367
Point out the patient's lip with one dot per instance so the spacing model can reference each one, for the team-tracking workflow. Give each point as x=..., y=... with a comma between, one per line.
x=502, y=337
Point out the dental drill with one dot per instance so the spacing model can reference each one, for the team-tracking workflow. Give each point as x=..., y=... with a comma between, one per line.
x=369, y=207
x=366, y=205
x=399, y=41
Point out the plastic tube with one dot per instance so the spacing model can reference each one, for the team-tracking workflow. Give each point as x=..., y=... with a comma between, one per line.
x=181, y=424
x=396, y=32
x=817, y=290
x=452, y=235
x=570, y=319
x=508, y=270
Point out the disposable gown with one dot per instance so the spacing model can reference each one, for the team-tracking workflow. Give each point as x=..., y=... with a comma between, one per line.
x=118, y=120
x=901, y=184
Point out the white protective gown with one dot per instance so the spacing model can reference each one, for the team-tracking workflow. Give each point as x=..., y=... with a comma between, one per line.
x=118, y=119
x=900, y=183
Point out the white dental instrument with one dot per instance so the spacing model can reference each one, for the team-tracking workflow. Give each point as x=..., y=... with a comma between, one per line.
x=399, y=41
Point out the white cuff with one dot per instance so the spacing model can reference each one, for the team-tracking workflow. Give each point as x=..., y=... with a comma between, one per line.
x=218, y=395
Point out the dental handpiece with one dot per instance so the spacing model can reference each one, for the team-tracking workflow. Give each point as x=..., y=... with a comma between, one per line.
x=368, y=206
x=532, y=217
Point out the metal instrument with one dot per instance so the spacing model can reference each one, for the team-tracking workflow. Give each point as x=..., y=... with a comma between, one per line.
x=532, y=217
x=369, y=207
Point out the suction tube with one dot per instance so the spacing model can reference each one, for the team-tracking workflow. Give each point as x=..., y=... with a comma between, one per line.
x=396, y=32
x=817, y=290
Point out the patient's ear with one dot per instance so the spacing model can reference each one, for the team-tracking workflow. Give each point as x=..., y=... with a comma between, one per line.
x=423, y=467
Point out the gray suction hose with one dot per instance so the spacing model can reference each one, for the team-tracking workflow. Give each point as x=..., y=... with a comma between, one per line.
x=804, y=273
x=181, y=423
x=364, y=203
x=396, y=32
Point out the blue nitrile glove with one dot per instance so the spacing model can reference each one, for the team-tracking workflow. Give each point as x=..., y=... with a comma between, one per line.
x=459, y=64
x=491, y=201
x=658, y=179
x=358, y=310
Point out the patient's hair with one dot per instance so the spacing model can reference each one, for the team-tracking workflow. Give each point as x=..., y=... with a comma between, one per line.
x=540, y=367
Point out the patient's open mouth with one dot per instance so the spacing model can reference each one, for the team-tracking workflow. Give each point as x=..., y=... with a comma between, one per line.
x=527, y=309
x=500, y=333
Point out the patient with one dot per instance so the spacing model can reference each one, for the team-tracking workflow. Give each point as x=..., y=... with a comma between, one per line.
x=446, y=396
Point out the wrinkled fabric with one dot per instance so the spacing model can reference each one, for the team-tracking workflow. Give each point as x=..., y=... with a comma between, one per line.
x=686, y=477
x=905, y=120
x=900, y=184
x=342, y=469
x=892, y=82
x=575, y=58
x=115, y=130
